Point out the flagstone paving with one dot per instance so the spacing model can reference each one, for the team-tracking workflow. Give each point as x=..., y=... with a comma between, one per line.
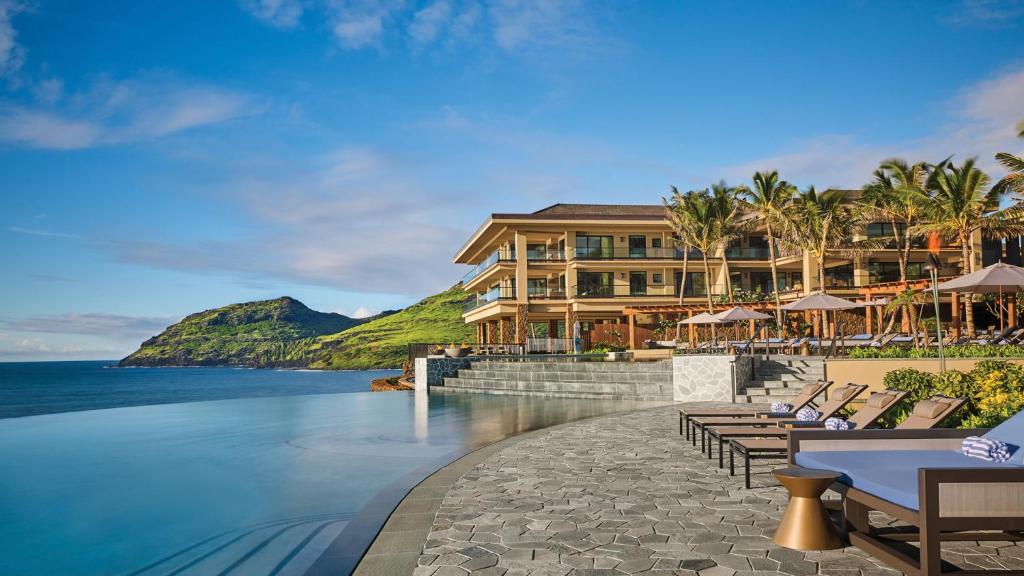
x=624, y=495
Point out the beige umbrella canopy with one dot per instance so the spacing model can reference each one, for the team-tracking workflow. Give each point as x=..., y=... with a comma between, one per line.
x=819, y=301
x=996, y=278
x=702, y=318
x=739, y=314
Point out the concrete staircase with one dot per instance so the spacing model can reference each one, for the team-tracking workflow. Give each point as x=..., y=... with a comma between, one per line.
x=605, y=380
x=781, y=378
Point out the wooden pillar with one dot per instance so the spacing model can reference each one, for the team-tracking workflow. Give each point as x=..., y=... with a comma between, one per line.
x=631, y=318
x=522, y=321
x=752, y=328
x=954, y=303
x=552, y=328
x=480, y=335
x=1011, y=310
x=868, y=322
x=691, y=330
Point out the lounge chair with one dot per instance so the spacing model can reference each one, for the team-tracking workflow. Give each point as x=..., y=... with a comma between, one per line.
x=923, y=417
x=838, y=398
x=921, y=478
x=807, y=394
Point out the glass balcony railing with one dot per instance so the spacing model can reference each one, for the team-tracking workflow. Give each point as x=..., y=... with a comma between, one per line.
x=546, y=293
x=751, y=253
x=500, y=255
x=617, y=291
x=549, y=255
x=492, y=295
x=624, y=253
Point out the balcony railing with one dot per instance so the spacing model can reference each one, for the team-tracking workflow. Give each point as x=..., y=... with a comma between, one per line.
x=500, y=255
x=546, y=293
x=623, y=253
x=617, y=291
x=492, y=295
x=752, y=253
x=549, y=255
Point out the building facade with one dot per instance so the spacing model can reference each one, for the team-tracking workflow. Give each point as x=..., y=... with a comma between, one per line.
x=534, y=275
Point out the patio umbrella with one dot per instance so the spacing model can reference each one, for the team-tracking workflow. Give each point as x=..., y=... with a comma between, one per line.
x=702, y=318
x=823, y=302
x=996, y=278
x=738, y=314
x=576, y=336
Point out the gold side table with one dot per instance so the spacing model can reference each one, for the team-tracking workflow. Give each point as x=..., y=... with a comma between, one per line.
x=806, y=525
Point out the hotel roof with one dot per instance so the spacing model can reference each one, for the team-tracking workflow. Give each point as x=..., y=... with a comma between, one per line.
x=591, y=212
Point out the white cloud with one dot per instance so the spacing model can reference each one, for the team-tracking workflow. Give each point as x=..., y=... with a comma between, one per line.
x=360, y=23
x=519, y=23
x=149, y=106
x=987, y=13
x=981, y=120
x=283, y=14
x=17, y=348
x=92, y=324
x=41, y=232
x=12, y=54
x=428, y=22
x=357, y=220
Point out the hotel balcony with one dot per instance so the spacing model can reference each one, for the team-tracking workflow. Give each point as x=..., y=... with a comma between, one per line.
x=618, y=291
x=535, y=256
x=624, y=253
x=490, y=263
x=493, y=295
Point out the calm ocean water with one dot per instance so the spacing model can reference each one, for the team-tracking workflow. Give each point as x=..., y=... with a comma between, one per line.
x=263, y=480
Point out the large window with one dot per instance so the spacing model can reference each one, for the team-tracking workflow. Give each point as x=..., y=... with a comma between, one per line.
x=537, y=286
x=536, y=251
x=594, y=284
x=593, y=246
x=694, y=283
x=839, y=276
x=890, y=271
x=638, y=246
x=638, y=283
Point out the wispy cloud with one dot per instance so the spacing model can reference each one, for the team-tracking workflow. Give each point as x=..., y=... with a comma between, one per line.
x=20, y=348
x=12, y=54
x=283, y=14
x=358, y=220
x=39, y=232
x=149, y=106
x=987, y=13
x=980, y=122
x=91, y=324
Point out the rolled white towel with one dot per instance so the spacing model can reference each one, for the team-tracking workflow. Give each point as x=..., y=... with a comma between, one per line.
x=808, y=414
x=838, y=424
x=983, y=448
x=781, y=408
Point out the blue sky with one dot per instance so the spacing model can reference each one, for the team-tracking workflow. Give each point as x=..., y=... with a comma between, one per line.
x=157, y=160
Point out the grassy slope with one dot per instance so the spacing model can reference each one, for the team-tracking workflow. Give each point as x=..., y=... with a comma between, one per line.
x=381, y=343
x=264, y=333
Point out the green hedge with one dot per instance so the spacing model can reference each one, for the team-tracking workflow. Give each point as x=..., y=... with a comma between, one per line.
x=994, y=391
x=962, y=351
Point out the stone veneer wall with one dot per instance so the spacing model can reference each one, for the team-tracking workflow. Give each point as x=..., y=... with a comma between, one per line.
x=697, y=378
x=432, y=370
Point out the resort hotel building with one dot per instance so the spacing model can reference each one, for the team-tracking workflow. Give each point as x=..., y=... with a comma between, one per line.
x=617, y=270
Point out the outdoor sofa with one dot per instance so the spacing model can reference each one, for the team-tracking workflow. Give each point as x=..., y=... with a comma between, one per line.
x=921, y=478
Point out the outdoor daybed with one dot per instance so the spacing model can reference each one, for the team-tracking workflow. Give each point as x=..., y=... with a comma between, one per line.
x=921, y=478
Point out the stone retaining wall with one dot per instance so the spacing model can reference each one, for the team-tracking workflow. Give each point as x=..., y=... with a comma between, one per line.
x=432, y=370
x=697, y=378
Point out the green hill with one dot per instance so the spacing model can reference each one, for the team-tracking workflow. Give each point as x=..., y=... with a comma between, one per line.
x=285, y=333
x=256, y=334
x=381, y=343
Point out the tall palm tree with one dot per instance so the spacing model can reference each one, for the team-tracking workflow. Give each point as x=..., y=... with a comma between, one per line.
x=767, y=200
x=897, y=195
x=820, y=224
x=1014, y=181
x=961, y=204
x=679, y=217
x=699, y=219
x=730, y=222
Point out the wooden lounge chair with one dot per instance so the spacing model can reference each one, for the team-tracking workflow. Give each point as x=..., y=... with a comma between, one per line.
x=807, y=394
x=877, y=405
x=921, y=478
x=775, y=428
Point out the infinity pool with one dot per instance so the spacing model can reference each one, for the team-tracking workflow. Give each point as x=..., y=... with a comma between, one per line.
x=250, y=486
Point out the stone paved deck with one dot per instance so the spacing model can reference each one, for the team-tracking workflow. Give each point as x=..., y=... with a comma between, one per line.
x=626, y=495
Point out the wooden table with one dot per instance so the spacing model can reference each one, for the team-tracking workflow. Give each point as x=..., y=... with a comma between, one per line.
x=806, y=524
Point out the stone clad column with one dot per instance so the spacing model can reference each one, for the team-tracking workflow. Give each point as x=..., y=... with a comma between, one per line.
x=522, y=322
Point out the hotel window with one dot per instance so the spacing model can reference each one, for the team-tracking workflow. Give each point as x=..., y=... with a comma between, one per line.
x=657, y=279
x=655, y=242
x=537, y=286
x=694, y=283
x=638, y=283
x=638, y=246
x=594, y=284
x=593, y=246
x=890, y=271
x=840, y=276
x=536, y=251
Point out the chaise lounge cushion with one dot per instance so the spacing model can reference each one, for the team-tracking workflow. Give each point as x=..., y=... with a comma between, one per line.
x=1011, y=431
x=889, y=474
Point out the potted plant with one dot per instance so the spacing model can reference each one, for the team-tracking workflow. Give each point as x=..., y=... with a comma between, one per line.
x=460, y=351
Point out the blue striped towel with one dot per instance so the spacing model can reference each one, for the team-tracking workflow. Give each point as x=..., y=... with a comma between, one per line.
x=781, y=408
x=986, y=449
x=838, y=424
x=808, y=414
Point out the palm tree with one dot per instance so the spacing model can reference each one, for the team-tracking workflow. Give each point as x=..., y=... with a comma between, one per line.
x=897, y=195
x=961, y=204
x=701, y=219
x=679, y=217
x=820, y=224
x=767, y=201
x=730, y=223
x=1014, y=181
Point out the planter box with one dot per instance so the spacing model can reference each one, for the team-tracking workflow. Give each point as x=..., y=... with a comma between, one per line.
x=457, y=352
x=872, y=371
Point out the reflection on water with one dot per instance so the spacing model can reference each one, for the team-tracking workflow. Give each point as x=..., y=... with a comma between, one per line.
x=251, y=486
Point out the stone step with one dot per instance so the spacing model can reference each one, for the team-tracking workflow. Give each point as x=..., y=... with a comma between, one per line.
x=774, y=393
x=602, y=367
x=775, y=384
x=525, y=375
x=563, y=389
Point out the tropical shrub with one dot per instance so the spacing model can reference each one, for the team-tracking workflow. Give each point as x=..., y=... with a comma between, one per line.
x=962, y=351
x=994, y=391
